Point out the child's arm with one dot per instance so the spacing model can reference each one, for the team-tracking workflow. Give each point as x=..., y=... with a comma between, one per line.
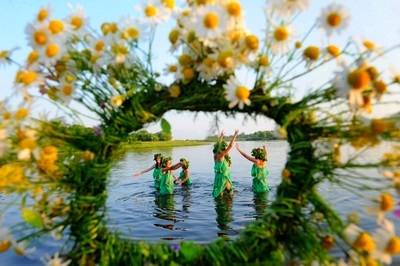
x=145, y=171
x=251, y=159
x=231, y=143
x=173, y=167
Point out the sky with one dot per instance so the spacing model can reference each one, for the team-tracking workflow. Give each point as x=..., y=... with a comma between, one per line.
x=375, y=20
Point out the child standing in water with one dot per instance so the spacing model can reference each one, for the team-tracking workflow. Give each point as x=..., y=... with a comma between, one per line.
x=222, y=178
x=167, y=178
x=156, y=172
x=184, y=177
x=259, y=170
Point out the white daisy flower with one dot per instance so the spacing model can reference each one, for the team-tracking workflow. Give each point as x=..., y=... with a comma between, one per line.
x=56, y=260
x=387, y=243
x=154, y=12
x=59, y=30
x=358, y=239
x=5, y=56
x=170, y=69
x=20, y=248
x=27, y=78
x=51, y=53
x=111, y=32
x=286, y=8
x=133, y=30
x=78, y=20
x=117, y=100
x=5, y=239
x=38, y=35
x=279, y=39
x=210, y=22
x=351, y=84
x=236, y=93
x=65, y=91
x=311, y=54
x=234, y=13
x=384, y=203
x=333, y=18
x=44, y=13
x=208, y=69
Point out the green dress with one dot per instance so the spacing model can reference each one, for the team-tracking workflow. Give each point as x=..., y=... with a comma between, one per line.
x=182, y=176
x=222, y=175
x=157, y=172
x=260, y=182
x=167, y=184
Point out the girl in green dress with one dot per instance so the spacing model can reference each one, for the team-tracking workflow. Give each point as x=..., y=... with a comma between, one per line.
x=222, y=177
x=184, y=177
x=158, y=157
x=259, y=170
x=167, y=178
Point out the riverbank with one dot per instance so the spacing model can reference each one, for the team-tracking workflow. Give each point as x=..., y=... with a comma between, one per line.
x=161, y=144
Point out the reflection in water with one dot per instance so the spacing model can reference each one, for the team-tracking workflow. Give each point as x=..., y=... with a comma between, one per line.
x=223, y=207
x=165, y=210
x=260, y=204
x=186, y=199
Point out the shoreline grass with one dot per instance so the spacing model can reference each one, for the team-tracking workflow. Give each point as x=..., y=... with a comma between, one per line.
x=162, y=144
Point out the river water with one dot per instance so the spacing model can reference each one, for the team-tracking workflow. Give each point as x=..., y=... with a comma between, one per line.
x=137, y=212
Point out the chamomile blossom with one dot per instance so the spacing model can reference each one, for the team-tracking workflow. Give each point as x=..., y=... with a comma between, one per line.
x=387, y=243
x=51, y=53
x=117, y=100
x=234, y=13
x=236, y=93
x=351, y=84
x=208, y=69
x=21, y=249
x=311, y=55
x=5, y=56
x=333, y=18
x=65, y=91
x=78, y=20
x=44, y=13
x=59, y=30
x=54, y=261
x=210, y=22
x=133, y=30
x=153, y=12
x=38, y=35
x=382, y=204
x=286, y=8
x=358, y=238
x=279, y=39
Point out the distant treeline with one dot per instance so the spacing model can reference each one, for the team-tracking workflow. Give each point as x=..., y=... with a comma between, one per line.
x=259, y=135
x=144, y=135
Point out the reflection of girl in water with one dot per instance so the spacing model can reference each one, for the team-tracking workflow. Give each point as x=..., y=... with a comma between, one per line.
x=222, y=178
x=259, y=170
x=223, y=207
x=156, y=172
x=260, y=204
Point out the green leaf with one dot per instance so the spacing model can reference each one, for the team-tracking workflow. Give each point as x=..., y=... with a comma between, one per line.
x=165, y=126
x=31, y=217
x=190, y=251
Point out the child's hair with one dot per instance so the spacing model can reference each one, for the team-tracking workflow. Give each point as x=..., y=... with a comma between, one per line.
x=220, y=146
x=228, y=160
x=186, y=165
x=259, y=153
x=158, y=155
x=165, y=160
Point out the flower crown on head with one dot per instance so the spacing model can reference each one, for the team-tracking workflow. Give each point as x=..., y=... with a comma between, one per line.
x=220, y=146
x=259, y=153
x=165, y=160
x=186, y=166
x=158, y=155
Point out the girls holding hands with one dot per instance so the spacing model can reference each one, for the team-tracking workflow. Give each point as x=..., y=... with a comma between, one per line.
x=156, y=172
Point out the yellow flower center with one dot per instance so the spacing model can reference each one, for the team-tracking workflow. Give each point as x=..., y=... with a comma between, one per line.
x=298, y=45
x=286, y=173
x=21, y=113
x=52, y=50
x=50, y=150
x=60, y=67
x=379, y=126
x=172, y=69
x=67, y=90
x=173, y=36
x=369, y=45
x=28, y=77
x=312, y=52
x=333, y=50
x=19, y=251
x=105, y=28
x=191, y=37
x=113, y=27
x=76, y=22
x=358, y=79
x=380, y=86
x=234, y=9
x=132, y=33
x=372, y=72
x=393, y=247
x=188, y=73
x=252, y=42
x=150, y=11
x=4, y=245
x=334, y=19
x=281, y=34
x=7, y=115
x=42, y=15
x=39, y=37
x=27, y=143
x=32, y=57
x=99, y=46
x=56, y=26
x=88, y=156
x=208, y=62
x=203, y=2
x=211, y=21
x=185, y=60
x=224, y=59
x=263, y=61
x=387, y=202
x=364, y=242
x=242, y=93
x=169, y=3
x=3, y=54
x=235, y=36
x=174, y=91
